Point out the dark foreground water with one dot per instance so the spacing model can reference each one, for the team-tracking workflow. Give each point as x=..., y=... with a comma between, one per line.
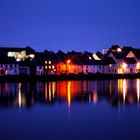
x=70, y=110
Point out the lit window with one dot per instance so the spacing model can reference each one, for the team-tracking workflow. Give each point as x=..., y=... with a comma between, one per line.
x=124, y=65
x=138, y=65
x=52, y=66
x=10, y=54
x=49, y=67
x=19, y=55
x=49, y=62
x=95, y=57
x=46, y=67
x=45, y=62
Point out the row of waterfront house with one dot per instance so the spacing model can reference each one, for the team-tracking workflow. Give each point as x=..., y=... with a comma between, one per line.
x=115, y=60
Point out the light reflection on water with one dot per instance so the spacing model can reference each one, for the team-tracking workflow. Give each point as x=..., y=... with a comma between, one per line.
x=115, y=92
x=70, y=110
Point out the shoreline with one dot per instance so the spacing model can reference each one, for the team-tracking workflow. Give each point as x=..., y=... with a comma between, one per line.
x=33, y=78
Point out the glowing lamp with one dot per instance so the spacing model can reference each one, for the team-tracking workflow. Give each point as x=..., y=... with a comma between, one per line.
x=68, y=61
x=18, y=59
x=119, y=50
x=32, y=56
x=90, y=58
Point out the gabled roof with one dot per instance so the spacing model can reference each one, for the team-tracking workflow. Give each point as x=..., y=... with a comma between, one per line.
x=130, y=55
x=99, y=54
x=136, y=52
x=47, y=55
x=120, y=55
x=29, y=50
x=74, y=53
x=61, y=54
x=130, y=60
x=96, y=57
x=107, y=60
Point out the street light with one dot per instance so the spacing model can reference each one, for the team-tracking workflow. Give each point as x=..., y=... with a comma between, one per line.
x=67, y=65
x=68, y=61
x=119, y=50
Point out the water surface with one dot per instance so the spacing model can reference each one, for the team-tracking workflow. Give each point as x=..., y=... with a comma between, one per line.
x=81, y=110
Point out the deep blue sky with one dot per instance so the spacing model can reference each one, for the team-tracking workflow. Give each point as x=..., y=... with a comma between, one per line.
x=69, y=24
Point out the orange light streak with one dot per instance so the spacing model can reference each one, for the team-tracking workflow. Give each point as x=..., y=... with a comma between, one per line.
x=69, y=93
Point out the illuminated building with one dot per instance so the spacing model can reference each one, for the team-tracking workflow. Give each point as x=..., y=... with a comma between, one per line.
x=20, y=54
x=96, y=57
x=138, y=67
x=8, y=66
x=49, y=61
x=107, y=66
x=117, y=60
x=77, y=67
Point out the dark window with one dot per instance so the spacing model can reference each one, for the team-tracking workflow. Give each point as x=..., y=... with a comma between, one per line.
x=2, y=71
x=10, y=65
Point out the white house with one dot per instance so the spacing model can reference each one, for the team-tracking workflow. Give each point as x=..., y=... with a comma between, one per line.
x=107, y=66
x=9, y=66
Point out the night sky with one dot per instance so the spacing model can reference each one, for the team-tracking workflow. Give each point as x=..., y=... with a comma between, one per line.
x=69, y=24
